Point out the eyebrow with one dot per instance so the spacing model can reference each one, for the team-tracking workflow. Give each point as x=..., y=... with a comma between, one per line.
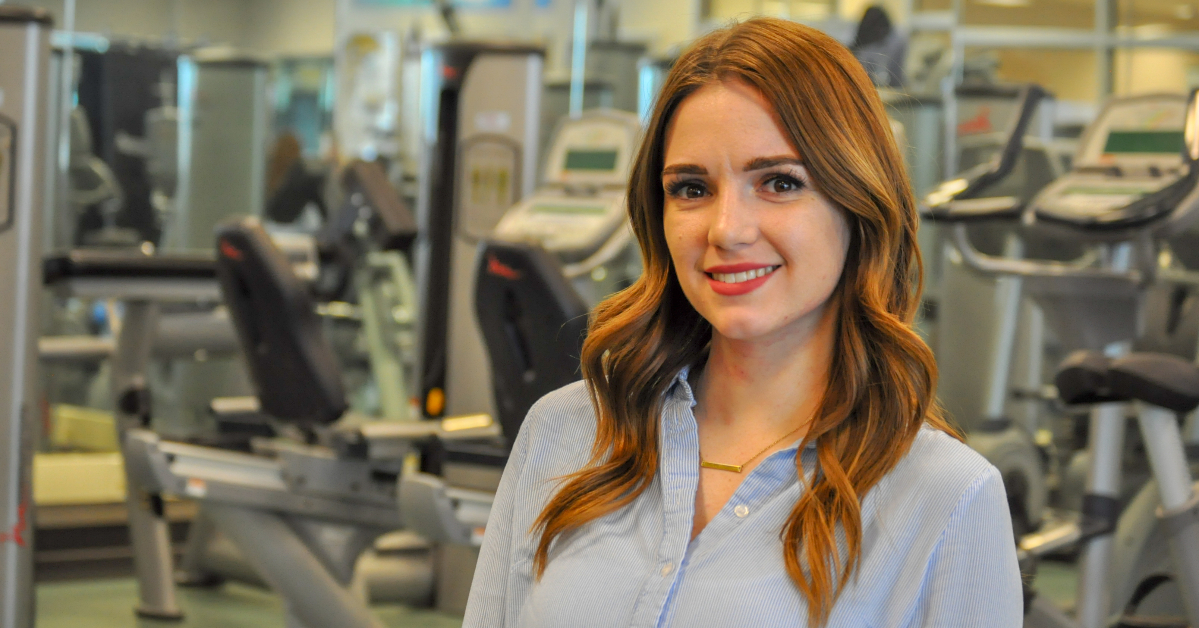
x=758, y=163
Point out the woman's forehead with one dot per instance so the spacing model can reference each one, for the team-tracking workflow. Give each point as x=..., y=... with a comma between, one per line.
x=725, y=119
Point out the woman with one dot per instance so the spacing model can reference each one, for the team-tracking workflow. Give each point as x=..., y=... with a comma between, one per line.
x=756, y=441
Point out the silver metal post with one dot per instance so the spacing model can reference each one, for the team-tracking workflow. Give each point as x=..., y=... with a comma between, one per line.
x=149, y=532
x=24, y=69
x=312, y=597
x=1034, y=338
x=1167, y=456
x=1103, y=479
x=1007, y=301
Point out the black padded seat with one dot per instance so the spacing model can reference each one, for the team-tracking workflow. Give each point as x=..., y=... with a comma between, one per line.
x=1158, y=379
x=295, y=370
x=533, y=322
x=1084, y=377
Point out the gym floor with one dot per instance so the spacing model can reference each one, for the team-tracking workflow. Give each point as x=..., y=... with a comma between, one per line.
x=106, y=603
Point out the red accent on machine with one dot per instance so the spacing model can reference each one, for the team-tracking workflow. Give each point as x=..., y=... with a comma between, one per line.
x=980, y=123
x=496, y=267
x=230, y=251
x=17, y=535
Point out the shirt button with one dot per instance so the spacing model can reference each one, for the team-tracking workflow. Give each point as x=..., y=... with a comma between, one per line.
x=667, y=568
x=741, y=510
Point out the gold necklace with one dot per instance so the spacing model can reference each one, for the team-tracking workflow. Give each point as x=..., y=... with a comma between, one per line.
x=736, y=468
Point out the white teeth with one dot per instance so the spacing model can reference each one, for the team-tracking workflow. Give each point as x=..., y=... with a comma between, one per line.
x=745, y=276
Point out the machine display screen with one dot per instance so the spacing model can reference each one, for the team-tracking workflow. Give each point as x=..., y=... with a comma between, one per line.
x=1144, y=142
x=591, y=160
x=548, y=208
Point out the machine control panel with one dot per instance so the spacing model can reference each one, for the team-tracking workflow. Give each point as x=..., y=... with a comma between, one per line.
x=1127, y=166
x=595, y=149
x=581, y=206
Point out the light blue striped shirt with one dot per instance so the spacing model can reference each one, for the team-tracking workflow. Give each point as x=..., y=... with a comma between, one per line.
x=937, y=546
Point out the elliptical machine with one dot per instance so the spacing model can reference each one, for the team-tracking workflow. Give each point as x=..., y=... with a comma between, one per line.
x=1134, y=184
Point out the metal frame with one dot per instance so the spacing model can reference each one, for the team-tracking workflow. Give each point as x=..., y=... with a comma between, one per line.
x=24, y=63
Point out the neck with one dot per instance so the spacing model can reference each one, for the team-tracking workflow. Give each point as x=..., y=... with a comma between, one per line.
x=774, y=384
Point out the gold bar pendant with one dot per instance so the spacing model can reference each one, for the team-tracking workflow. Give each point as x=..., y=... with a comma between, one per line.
x=735, y=468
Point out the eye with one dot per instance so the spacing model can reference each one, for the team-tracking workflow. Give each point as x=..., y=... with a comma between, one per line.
x=686, y=190
x=783, y=184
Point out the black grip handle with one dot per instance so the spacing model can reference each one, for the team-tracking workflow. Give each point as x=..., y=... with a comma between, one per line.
x=991, y=208
x=1030, y=98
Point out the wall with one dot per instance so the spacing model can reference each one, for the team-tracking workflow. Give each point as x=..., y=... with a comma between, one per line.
x=267, y=26
x=664, y=24
x=222, y=21
x=293, y=27
x=522, y=21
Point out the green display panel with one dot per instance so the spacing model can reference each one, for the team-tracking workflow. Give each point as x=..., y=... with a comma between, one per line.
x=569, y=209
x=1144, y=142
x=590, y=160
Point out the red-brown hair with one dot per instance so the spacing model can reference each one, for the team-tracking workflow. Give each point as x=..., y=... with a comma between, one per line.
x=882, y=377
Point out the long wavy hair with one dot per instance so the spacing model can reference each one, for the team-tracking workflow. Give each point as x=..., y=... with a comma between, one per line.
x=882, y=377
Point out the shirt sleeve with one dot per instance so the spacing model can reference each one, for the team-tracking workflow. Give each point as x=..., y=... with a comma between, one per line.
x=486, y=607
x=973, y=577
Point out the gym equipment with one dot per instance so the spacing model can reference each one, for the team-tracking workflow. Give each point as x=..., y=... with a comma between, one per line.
x=369, y=240
x=552, y=257
x=1133, y=185
x=373, y=225
x=222, y=144
x=578, y=214
x=301, y=514
x=24, y=67
x=125, y=92
x=142, y=282
x=478, y=111
x=1018, y=170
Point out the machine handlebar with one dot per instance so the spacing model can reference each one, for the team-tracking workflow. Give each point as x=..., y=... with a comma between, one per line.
x=972, y=184
x=976, y=210
x=1002, y=165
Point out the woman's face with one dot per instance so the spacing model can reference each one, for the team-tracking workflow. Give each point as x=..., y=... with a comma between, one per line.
x=756, y=249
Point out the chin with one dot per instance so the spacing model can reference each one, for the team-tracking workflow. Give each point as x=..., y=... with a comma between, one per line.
x=742, y=329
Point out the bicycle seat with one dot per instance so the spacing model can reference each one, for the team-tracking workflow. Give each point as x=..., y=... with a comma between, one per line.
x=1085, y=377
x=1159, y=379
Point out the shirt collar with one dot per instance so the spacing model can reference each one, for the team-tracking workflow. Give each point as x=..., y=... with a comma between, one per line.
x=681, y=388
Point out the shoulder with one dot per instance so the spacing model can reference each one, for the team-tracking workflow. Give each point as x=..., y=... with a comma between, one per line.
x=941, y=461
x=559, y=431
x=937, y=475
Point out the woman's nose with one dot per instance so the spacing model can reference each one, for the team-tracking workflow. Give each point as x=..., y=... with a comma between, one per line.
x=733, y=224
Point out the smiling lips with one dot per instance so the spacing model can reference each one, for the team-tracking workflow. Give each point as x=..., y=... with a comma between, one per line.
x=738, y=279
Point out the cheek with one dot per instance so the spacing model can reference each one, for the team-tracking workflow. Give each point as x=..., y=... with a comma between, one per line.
x=677, y=238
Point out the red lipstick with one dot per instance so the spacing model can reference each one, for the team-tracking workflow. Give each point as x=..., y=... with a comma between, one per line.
x=736, y=289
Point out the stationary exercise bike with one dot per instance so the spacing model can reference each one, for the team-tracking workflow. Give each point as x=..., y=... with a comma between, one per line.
x=1018, y=170
x=1134, y=184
